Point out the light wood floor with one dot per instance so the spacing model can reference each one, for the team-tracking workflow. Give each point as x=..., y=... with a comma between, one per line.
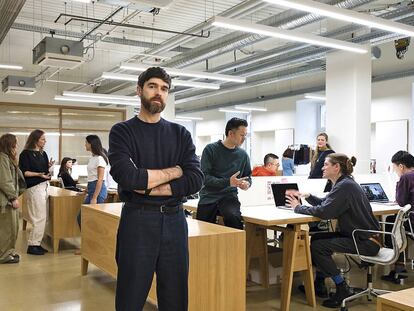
x=53, y=282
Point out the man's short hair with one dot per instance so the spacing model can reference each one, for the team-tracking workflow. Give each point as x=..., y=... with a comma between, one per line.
x=154, y=72
x=234, y=123
x=268, y=157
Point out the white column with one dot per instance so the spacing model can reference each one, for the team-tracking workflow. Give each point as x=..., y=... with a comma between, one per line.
x=348, y=105
x=169, y=111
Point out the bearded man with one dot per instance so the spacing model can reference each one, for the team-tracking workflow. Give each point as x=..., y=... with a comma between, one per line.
x=154, y=163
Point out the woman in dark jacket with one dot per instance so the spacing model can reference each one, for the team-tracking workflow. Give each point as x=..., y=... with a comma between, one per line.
x=65, y=172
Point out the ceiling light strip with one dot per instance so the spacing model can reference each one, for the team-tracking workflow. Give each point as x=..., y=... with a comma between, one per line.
x=97, y=100
x=290, y=35
x=186, y=73
x=346, y=15
x=10, y=66
x=100, y=96
x=315, y=96
x=175, y=82
x=233, y=111
x=250, y=108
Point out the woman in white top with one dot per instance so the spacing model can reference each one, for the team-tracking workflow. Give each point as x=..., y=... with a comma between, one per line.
x=97, y=191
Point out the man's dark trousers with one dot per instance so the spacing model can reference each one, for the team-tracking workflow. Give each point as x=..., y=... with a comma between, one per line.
x=228, y=207
x=148, y=242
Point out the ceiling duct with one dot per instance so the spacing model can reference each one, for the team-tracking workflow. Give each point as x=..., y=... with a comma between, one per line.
x=62, y=53
x=9, y=9
x=19, y=85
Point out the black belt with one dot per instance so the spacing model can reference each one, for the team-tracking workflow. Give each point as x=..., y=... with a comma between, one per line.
x=164, y=209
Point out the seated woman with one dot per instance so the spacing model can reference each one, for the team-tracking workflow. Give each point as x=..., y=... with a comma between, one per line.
x=403, y=163
x=349, y=205
x=65, y=172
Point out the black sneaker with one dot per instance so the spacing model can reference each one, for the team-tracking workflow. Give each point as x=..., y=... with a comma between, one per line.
x=35, y=250
x=342, y=291
x=43, y=249
x=320, y=289
x=392, y=277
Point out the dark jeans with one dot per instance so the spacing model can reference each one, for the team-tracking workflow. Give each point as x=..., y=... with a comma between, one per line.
x=228, y=207
x=324, y=244
x=148, y=242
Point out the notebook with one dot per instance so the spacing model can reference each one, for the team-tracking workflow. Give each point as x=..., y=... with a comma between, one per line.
x=280, y=191
x=374, y=192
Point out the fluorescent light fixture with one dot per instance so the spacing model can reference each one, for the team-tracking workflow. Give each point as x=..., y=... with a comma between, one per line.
x=250, y=108
x=233, y=111
x=186, y=73
x=315, y=96
x=100, y=96
x=47, y=133
x=189, y=118
x=97, y=100
x=346, y=15
x=182, y=120
x=175, y=82
x=290, y=35
x=12, y=67
x=83, y=1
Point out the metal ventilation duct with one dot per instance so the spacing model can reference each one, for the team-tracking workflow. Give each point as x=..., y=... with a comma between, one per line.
x=9, y=9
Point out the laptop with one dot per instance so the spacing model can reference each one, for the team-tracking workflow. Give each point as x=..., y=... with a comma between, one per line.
x=374, y=192
x=280, y=191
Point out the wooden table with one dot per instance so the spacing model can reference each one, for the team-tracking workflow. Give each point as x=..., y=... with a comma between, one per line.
x=402, y=300
x=217, y=279
x=296, y=246
x=64, y=207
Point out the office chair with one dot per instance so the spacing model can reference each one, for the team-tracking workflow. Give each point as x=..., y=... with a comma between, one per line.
x=409, y=250
x=62, y=185
x=385, y=256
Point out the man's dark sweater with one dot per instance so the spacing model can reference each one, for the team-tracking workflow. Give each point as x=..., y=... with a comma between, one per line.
x=135, y=146
x=346, y=202
x=219, y=164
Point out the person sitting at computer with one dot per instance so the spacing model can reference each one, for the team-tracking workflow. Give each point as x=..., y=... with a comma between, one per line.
x=349, y=205
x=65, y=172
x=403, y=164
x=270, y=167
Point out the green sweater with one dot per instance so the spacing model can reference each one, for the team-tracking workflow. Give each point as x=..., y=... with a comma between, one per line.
x=218, y=164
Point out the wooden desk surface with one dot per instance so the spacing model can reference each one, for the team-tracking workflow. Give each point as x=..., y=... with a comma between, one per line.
x=195, y=227
x=399, y=300
x=60, y=192
x=109, y=190
x=269, y=215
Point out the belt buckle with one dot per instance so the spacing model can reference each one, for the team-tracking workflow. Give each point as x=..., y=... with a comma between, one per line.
x=162, y=209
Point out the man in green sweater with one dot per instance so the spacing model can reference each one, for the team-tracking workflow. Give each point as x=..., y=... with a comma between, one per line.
x=226, y=167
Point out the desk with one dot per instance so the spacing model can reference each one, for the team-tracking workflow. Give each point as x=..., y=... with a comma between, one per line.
x=296, y=248
x=402, y=300
x=217, y=280
x=64, y=206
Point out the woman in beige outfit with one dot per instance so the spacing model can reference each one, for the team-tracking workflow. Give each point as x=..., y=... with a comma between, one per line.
x=11, y=186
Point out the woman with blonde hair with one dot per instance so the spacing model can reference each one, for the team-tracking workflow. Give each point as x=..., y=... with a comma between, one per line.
x=35, y=166
x=11, y=186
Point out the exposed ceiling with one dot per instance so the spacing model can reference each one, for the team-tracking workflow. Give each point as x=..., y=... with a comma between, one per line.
x=267, y=63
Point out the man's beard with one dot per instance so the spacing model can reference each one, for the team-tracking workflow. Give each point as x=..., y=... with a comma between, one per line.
x=153, y=108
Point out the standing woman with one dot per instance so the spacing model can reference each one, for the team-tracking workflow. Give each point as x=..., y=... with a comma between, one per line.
x=11, y=186
x=287, y=162
x=96, y=170
x=35, y=165
x=323, y=149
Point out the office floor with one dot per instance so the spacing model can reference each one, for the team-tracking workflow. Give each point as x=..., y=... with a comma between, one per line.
x=53, y=282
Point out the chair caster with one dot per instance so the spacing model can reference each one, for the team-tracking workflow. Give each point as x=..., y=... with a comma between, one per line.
x=344, y=309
